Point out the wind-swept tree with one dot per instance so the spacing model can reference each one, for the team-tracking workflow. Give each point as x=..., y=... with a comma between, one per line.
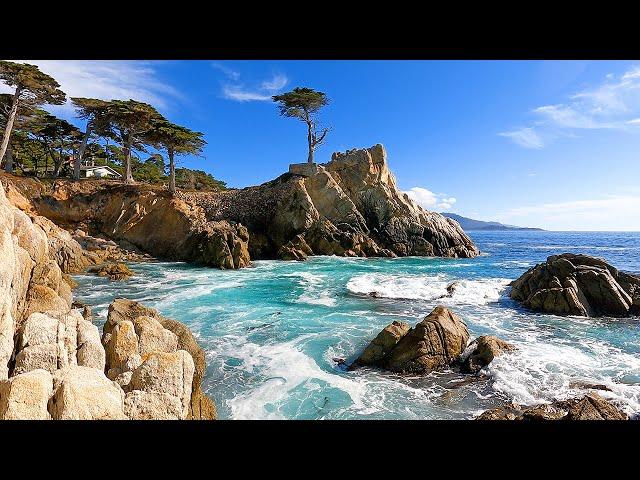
x=129, y=121
x=94, y=111
x=30, y=85
x=303, y=103
x=23, y=113
x=175, y=140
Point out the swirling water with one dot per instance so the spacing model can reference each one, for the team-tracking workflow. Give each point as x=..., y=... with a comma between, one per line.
x=271, y=332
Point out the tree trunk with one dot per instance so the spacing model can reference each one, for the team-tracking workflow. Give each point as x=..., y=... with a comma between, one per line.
x=172, y=173
x=77, y=161
x=10, y=119
x=128, y=177
x=310, y=140
x=9, y=165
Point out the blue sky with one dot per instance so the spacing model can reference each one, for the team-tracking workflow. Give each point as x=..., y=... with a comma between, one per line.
x=553, y=144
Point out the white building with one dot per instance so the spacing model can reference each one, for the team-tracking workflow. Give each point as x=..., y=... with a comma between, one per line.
x=98, y=171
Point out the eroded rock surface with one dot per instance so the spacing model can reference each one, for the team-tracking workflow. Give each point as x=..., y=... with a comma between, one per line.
x=482, y=351
x=570, y=284
x=589, y=407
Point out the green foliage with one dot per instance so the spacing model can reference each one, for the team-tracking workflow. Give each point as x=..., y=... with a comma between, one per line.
x=188, y=179
x=173, y=138
x=300, y=103
x=33, y=85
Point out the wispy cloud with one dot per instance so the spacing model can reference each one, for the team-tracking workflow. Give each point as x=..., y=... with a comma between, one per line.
x=429, y=200
x=229, y=72
x=525, y=137
x=243, y=91
x=107, y=80
x=613, y=212
x=614, y=104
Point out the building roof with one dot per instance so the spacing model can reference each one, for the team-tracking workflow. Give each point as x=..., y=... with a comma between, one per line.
x=96, y=167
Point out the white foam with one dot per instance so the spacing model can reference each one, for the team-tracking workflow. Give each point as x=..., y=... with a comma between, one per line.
x=428, y=288
x=315, y=292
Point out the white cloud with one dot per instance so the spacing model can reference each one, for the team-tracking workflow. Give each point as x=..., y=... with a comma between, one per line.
x=525, y=137
x=613, y=212
x=429, y=200
x=263, y=92
x=614, y=104
x=232, y=74
x=106, y=80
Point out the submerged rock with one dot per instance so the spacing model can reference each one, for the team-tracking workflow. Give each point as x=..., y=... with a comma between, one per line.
x=484, y=349
x=115, y=271
x=570, y=284
x=589, y=407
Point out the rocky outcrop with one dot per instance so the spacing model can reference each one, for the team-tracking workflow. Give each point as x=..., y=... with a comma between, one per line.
x=435, y=343
x=115, y=271
x=589, y=407
x=148, y=356
x=570, y=284
x=482, y=351
x=350, y=206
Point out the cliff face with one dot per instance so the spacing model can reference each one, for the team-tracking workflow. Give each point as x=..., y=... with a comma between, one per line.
x=351, y=206
x=52, y=360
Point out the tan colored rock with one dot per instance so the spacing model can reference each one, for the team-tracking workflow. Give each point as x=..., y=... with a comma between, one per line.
x=384, y=343
x=90, y=352
x=571, y=284
x=121, y=344
x=36, y=357
x=38, y=329
x=485, y=349
x=142, y=405
x=153, y=337
x=436, y=342
x=25, y=396
x=84, y=393
x=590, y=407
x=115, y=271
x=166, y=373
x=44, y=299
x=201, y=406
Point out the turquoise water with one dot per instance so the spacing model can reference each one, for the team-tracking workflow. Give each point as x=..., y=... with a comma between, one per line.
x=271, y=332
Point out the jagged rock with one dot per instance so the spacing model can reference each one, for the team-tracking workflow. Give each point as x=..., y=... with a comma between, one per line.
x=122, y=310
x=295, y=249
x=115, y=271
x=121, y=344
x=90, y=352
x=482, y=352
x=41, y=298
x=25, y=396
x=435, y=343
x=350, y=206
x=589, y=407
x=570, y=284
x=384, y=342
x=66, y=252
x=167, y=374
x=153, y=337
x=143, y=405
x=84, y=393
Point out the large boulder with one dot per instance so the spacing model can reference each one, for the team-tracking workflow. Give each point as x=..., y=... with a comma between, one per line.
x=25, y=396
x=589, y=407
x=571, y=284
x=84, y=393
x=376, y=352
x=436, y=342
x=175, y=337
x=115, y=271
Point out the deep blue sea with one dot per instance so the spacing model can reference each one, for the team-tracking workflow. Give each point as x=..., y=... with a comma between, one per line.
x=271, y=332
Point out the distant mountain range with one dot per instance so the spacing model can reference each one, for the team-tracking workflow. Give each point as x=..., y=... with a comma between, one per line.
x=471, y=224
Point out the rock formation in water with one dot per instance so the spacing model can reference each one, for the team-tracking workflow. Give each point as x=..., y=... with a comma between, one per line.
x=570, y=284
x=351, y=206
x=590, y=407
x=439, y=341
x=52, y=361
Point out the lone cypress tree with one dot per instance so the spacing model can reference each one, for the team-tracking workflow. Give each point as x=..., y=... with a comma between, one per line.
x=30, y=85
x=175, y=140
x=94, y=111
x=129, y=121
x=303, y=103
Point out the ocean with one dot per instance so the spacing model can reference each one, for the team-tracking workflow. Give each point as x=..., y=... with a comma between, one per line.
x=272, y=332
